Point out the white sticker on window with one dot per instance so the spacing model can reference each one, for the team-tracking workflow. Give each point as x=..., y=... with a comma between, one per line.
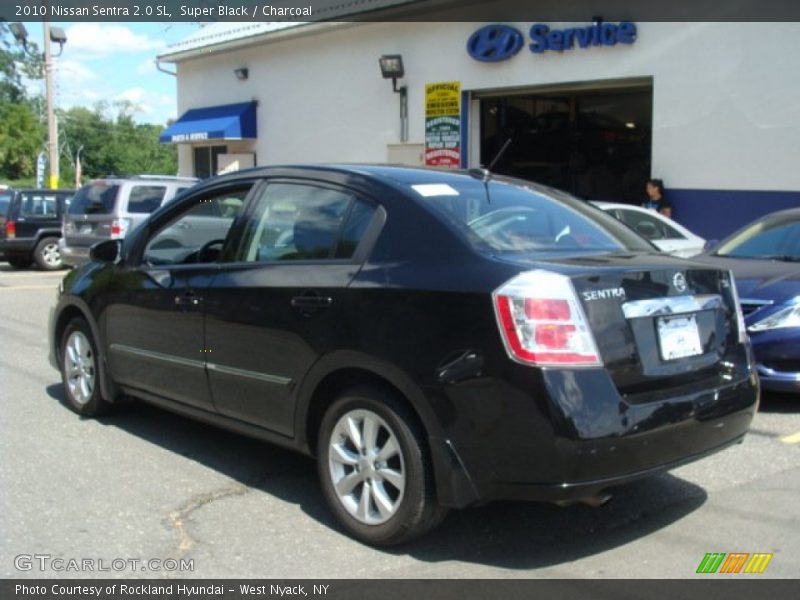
x=434, y=189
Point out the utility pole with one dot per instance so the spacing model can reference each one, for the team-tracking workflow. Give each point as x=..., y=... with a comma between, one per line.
x=52, y=126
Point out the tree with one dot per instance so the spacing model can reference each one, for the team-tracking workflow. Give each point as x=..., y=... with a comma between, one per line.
x=21, y=140
x=21, y=132
x=113, y=143
x=16, y=63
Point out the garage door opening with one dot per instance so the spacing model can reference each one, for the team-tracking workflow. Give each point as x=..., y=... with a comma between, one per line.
x=594, y=143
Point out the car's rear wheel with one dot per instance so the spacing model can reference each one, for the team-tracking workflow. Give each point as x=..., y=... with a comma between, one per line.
x=48, y=255
x=80, y=369
x=19, y=262
x=375, y=469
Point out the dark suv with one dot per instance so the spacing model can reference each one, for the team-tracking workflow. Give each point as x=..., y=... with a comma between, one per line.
x=30, y=226
x=435, y=339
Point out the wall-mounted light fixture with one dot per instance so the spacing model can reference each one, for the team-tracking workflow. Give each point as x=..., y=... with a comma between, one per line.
x=392, y=68
x=242, y=73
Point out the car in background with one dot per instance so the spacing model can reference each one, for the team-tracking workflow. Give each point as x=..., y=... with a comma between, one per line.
x=765, y=259
x=109, y=208
x=436, y=339
x=667, y=235
x=30, y=226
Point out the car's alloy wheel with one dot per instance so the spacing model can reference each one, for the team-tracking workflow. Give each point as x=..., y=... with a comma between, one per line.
x=48, y=254
x=366, y=467
x=79, y=369
x=375, y=468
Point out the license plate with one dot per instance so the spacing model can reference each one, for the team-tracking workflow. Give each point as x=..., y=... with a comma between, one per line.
x=679, y=337
x=85, y=229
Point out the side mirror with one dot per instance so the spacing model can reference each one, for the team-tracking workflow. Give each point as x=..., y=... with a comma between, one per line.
x=108, y=252
x=710, y=245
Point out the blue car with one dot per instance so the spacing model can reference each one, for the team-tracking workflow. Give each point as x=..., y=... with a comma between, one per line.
x=765, y=259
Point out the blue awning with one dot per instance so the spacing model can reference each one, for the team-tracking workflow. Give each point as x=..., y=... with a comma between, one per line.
x=226, y=122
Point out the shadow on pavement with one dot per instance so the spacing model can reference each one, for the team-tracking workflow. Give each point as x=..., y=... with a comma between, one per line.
x=513, y=535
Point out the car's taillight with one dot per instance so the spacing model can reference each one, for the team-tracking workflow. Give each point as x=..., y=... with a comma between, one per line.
x=11, y=229
x=119, y=228
x=542, y=321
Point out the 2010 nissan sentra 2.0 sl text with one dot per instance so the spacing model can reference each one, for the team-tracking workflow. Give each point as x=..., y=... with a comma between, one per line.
x=435, y=339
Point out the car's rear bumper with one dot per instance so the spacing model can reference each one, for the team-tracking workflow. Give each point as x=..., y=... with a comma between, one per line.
x=74, y=256
x=582, y=437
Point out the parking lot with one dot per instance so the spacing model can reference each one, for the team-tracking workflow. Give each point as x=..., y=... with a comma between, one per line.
x=144, y=484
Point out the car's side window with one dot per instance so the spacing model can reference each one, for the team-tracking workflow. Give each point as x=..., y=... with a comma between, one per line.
x=294, y=221
x=144, y=199
x=198, y=233
x=39, y=205
x=649, y=227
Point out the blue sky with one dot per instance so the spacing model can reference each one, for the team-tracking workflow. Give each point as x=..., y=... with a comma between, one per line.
x=109, y=61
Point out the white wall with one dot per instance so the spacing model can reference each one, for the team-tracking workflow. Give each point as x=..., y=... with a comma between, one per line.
x=726, y=95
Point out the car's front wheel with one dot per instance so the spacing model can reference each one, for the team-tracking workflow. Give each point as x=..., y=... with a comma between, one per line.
x=48, y=255
x=375, y=469
x=80, y=369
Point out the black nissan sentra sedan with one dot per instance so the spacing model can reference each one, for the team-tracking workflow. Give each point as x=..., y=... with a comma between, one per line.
x=435, y=339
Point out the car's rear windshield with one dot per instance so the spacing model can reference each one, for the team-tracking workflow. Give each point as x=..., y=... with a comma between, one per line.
x=5, y=200
x=502, y=217
x=97, y=198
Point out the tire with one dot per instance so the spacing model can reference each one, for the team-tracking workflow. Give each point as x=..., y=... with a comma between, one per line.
x=47, y=254
x=19, y=262
x=80, y=370
x=401, y=502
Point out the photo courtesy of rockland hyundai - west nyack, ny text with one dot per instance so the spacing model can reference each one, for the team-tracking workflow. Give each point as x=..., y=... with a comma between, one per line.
x=370, y=299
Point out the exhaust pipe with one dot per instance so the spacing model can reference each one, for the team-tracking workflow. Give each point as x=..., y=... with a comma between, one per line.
x=595, y=501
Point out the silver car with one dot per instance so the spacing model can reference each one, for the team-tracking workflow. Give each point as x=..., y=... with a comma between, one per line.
x=107, y=209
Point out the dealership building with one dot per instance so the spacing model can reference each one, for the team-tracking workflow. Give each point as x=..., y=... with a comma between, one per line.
x=593, y=107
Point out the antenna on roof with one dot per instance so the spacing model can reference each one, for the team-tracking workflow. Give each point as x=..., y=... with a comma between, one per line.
x=485, y=174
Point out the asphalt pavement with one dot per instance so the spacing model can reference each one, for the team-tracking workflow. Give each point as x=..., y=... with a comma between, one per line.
x=145, y=493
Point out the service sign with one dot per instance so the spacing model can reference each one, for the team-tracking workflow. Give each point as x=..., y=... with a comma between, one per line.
x=443, y=124
x=497, y=42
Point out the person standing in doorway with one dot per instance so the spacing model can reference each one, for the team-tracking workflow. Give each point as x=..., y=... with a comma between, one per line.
x=656, y=199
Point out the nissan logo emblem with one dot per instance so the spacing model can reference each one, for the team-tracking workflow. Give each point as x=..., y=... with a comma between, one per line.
x=679, y=281
x=494, y=43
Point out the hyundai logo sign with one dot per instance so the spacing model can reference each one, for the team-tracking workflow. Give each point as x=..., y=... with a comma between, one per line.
x=494, y=43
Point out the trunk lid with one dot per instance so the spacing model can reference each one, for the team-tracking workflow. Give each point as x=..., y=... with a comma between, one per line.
x=659, y=323
x=91, y=214
x=86, y=230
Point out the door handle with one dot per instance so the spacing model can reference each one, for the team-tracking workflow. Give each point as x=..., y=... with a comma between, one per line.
x=188, y=299
x=311, y=301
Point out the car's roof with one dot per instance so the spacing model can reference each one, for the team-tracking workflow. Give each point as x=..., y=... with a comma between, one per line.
x=604, y=204
x=790, y=213
x=43, y=191
x=144, y=178
x=401, y=175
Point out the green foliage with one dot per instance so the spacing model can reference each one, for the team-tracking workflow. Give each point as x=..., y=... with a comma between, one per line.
x=21, y=139
x=113, y=144
x=16, y=62
x=110, y=141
